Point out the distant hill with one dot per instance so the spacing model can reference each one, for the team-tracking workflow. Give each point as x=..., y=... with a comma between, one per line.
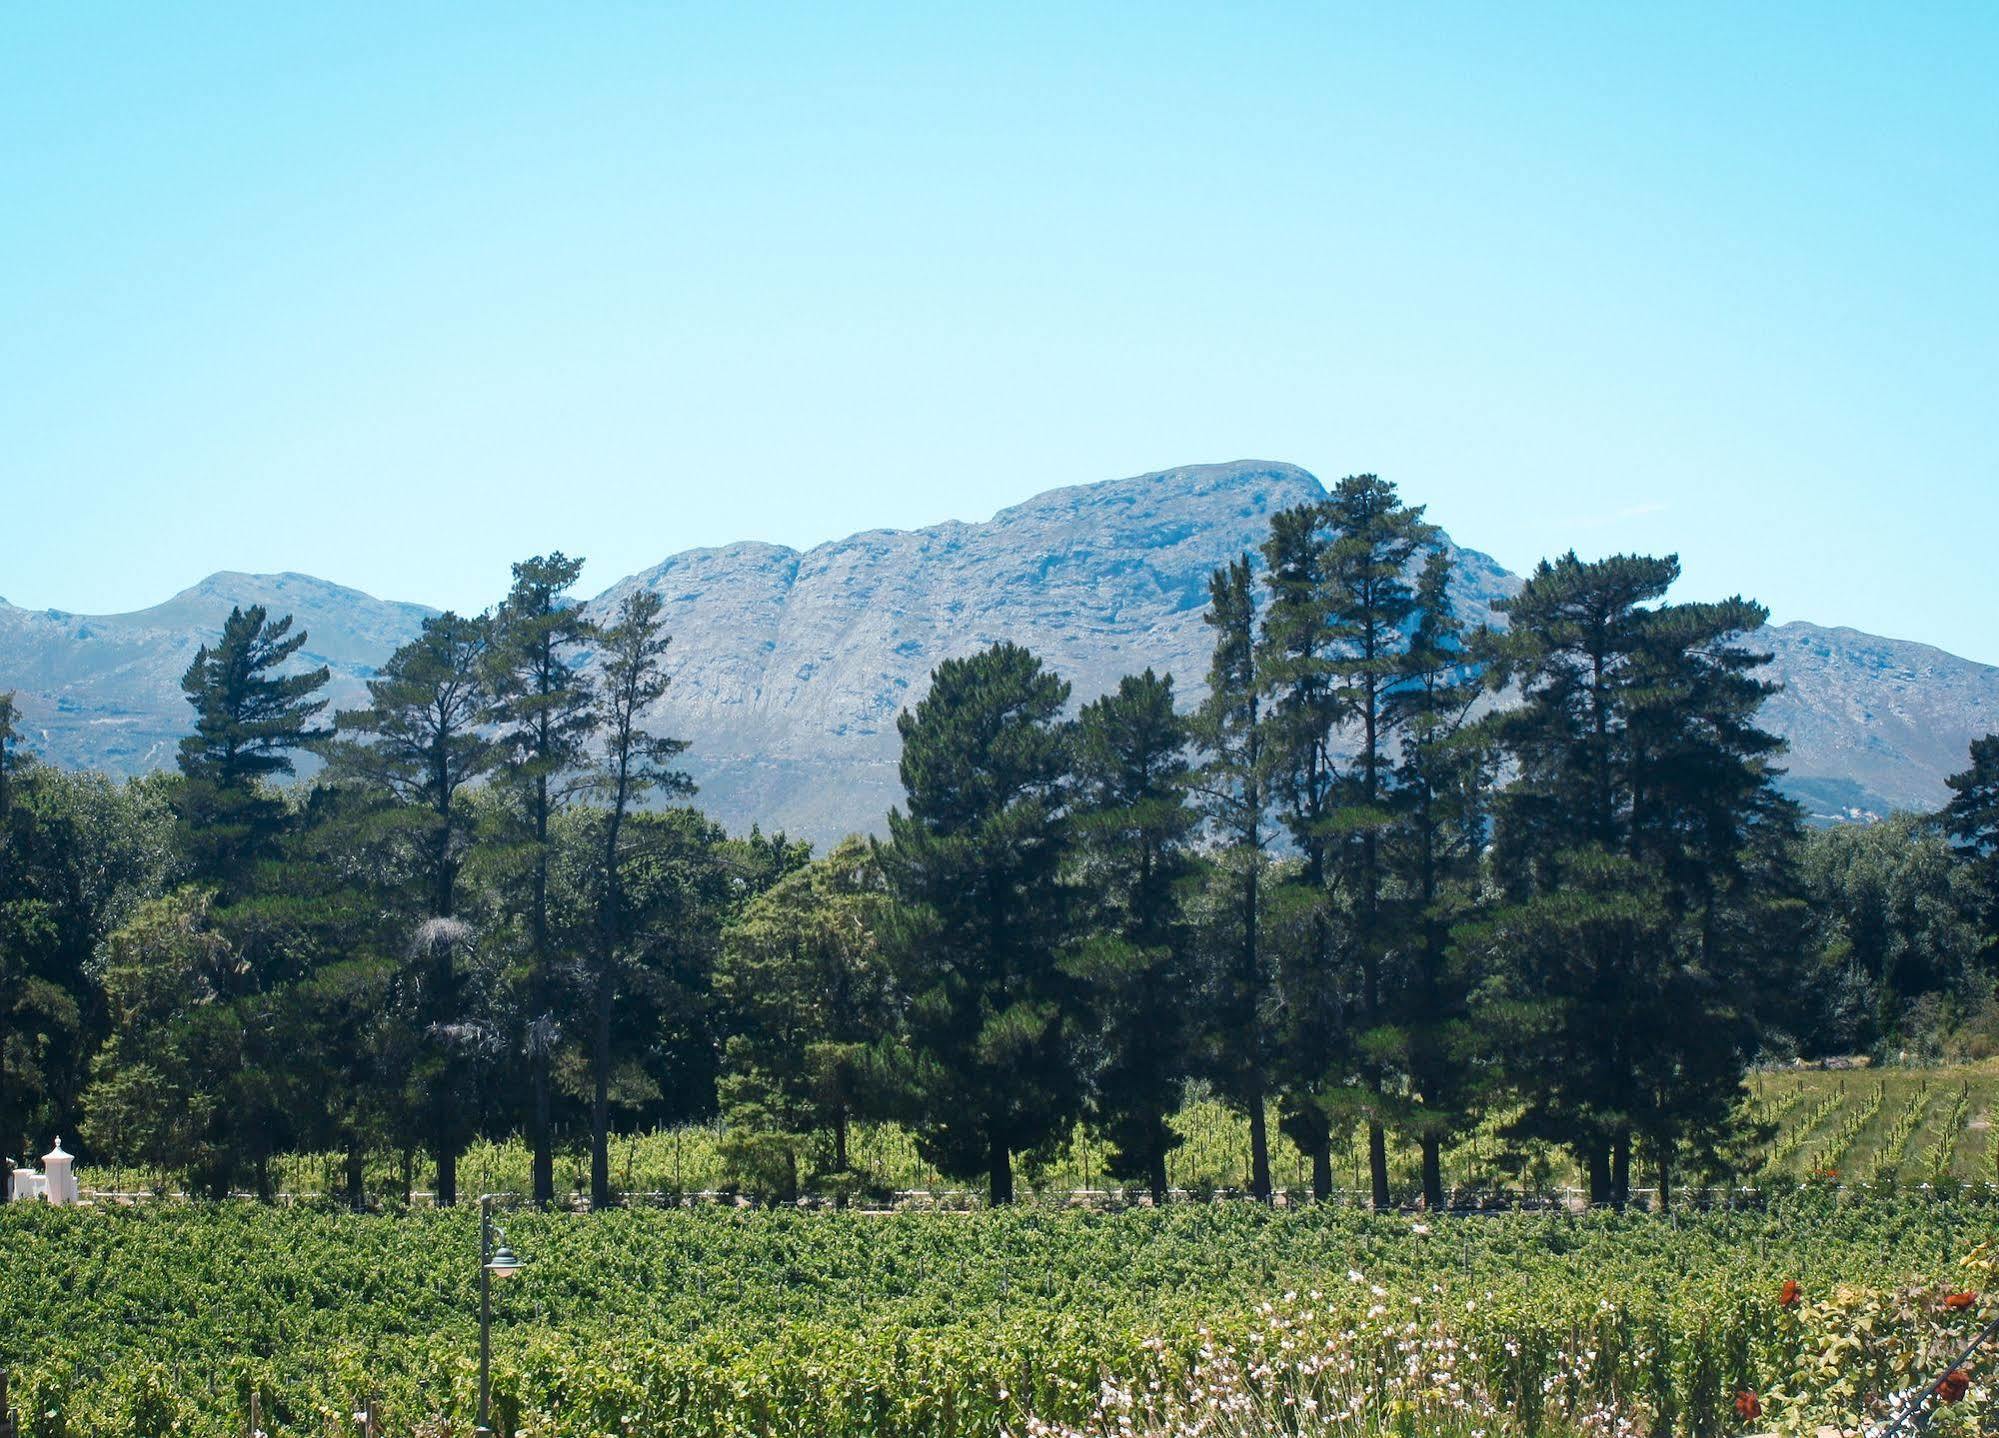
x=1875, y=724
x=790, y=667
x=102, y=691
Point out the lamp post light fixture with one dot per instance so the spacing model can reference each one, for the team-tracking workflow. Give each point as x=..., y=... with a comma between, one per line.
x=494, y=1263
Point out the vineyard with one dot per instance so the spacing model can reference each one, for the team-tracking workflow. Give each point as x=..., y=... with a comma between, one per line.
x=148, y=1318
x=1905, y=1127
x=159, y=1319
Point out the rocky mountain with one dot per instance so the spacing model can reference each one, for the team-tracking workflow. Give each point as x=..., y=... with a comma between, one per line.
x=790, y=667
x=1874, y=724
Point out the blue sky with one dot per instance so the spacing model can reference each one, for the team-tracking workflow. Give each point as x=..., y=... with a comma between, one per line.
x=398, y=294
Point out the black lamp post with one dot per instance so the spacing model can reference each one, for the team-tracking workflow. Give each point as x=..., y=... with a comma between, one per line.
x=494, y=1263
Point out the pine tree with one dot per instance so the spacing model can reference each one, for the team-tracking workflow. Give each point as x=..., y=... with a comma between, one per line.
x=1133, y=827
x=1370, y=603
x=249, y=720
x=978, y=858
x=1441, y=804
x=420, y=744
x=1584, y=920
x=1296, y=664
x=543, y=707
x=635, y=766
x=1708, y=820
x=1643, y=787
x=335, y=1025
x=1232, y=785
x=421, y=741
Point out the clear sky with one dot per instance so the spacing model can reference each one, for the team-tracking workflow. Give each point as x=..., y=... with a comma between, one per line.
x=397, y=294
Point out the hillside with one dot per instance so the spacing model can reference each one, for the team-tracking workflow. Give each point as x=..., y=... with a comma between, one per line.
x=103, y=690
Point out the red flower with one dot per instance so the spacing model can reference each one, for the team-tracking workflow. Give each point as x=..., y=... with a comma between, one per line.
x=1958, y=1302
x=1749, y=1406
x=1790, y=1296
x=1950, y=1388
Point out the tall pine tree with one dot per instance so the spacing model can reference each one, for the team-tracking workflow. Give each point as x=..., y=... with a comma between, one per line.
x=1302, y=709
x=421, y=744
x=250, y=718
x=1432, y=853
x=635, y=766
x=543, y=709
x=1626, y=844
x=1133, y=827
x=1232, y=784
x=995, y=1016
x=1376, y=541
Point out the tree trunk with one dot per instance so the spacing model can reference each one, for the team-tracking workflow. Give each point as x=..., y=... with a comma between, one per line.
x=840, y=1138
x=1377, y=1166
x=446, y=1154
x=439, y=1083
x=999, y=1171
x=1599, y=1173
x=600, y=1099
x=541, y=1128
x=1158, y=1176
x=1433, y=1173
x=1259, y=1148
x=357, y=1197
x=1620, y=1171
x=543, y=1135
x=1322, y=1170
x=1665, y=1180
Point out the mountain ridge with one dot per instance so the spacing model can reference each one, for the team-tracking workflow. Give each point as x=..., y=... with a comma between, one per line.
x=790, y=665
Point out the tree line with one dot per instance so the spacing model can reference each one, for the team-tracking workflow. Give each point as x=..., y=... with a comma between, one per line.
x=1393, y=872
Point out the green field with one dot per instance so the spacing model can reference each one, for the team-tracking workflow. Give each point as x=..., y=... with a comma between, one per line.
x=161, y=1318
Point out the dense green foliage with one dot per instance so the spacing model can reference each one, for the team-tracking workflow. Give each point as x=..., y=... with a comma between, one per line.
x=141, y=1322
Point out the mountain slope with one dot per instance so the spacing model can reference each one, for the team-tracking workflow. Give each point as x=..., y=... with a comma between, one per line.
x=790, y=667
x=103, y=690
x=1874, y=724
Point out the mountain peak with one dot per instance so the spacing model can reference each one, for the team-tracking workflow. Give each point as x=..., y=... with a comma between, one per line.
x=1262, y=484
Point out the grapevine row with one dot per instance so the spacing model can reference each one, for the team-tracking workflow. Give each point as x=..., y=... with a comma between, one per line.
x=1792, y=1139
x=1834, y=1151
x=1888, y=1157
x=1943, y=1148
